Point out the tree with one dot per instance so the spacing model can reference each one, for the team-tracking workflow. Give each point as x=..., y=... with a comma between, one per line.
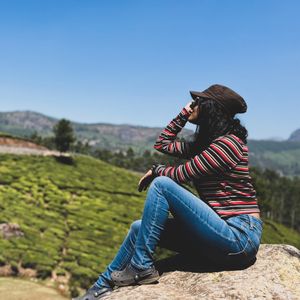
x=130, y=153
x=64, y=135
x=82, y=147
x=147, y=154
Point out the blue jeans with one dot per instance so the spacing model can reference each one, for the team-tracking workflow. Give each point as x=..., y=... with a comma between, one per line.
x=194, y=227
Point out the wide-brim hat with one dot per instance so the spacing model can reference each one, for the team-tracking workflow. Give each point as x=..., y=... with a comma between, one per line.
x=232, y=102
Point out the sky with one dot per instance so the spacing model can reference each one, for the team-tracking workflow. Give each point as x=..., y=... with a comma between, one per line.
x=135, y=61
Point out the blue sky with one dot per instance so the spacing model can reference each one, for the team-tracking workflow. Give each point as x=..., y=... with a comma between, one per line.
x=135, y=61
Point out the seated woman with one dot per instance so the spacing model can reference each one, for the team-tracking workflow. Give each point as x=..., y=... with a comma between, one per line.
x=222, y=225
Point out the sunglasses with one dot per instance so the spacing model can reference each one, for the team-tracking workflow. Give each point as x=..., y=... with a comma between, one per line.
x=196, y=102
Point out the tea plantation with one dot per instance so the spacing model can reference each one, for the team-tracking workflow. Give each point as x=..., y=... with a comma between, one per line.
x=74, y=215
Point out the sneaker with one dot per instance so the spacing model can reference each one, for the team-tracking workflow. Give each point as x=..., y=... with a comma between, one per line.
x=95, y=293
x=130, y=275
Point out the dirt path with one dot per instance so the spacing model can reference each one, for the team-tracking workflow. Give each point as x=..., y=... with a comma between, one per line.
x=27, y=151
x=19, y=146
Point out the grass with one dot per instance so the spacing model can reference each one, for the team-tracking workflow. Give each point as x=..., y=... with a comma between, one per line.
x=275, y=233
x=74, y=216
x=16, y=289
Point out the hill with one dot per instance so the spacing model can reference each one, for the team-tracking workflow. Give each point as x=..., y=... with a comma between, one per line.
x=73, y=216
x=282, y=156
x=295, y=136
x=100, y=135
x=22, y=123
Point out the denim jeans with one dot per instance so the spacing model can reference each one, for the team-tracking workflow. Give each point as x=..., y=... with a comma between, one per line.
x=193, y=227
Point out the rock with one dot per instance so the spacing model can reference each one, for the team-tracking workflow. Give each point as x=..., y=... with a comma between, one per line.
x=274, y=275
x=10, y=230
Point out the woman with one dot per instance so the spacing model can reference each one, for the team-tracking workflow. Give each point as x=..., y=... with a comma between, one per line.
x=223, y=225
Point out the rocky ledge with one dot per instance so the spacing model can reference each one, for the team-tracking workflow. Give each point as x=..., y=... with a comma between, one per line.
x=274, y=275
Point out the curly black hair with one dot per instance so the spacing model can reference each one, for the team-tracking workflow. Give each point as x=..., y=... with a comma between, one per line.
x=214, y=121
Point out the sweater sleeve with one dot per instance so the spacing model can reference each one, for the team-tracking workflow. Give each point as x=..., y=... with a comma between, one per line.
x=218, y=158
x=167, y=143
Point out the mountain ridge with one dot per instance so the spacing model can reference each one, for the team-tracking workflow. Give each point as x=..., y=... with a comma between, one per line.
x=101, y=135
x=4, y=118
x=282, y=156
x=295, y=136
x=73, y=122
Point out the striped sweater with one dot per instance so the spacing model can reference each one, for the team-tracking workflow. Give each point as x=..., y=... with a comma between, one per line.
x=220, y=173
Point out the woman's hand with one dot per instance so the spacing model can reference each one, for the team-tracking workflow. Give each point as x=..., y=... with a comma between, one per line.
x=188, y=107
x=145, y=181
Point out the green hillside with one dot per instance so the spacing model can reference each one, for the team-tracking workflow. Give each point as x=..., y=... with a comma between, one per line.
x=74, y=215
x=275, y=233
x=282, y=156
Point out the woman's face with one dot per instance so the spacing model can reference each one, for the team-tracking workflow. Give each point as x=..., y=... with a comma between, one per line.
x=194, y=115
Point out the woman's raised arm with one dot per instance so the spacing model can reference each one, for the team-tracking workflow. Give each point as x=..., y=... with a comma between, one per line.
x=167, y=143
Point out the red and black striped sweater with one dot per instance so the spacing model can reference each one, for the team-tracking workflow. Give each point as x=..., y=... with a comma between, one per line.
x=220, y=173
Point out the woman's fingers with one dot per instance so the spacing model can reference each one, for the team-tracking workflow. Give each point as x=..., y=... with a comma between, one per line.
x=142, y=179
x=147, y=174
x=142, y=183
x=140, y=187
x=145, y=181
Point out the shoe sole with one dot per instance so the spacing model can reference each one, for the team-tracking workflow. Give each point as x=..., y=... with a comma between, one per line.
x=102, y=296
x=153, y=278
x=149, y=279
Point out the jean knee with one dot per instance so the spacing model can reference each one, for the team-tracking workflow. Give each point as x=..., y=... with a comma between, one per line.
x=135, y=226
x=161, y=181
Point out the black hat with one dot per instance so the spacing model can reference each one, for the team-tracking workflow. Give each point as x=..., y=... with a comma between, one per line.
x=229, y=99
